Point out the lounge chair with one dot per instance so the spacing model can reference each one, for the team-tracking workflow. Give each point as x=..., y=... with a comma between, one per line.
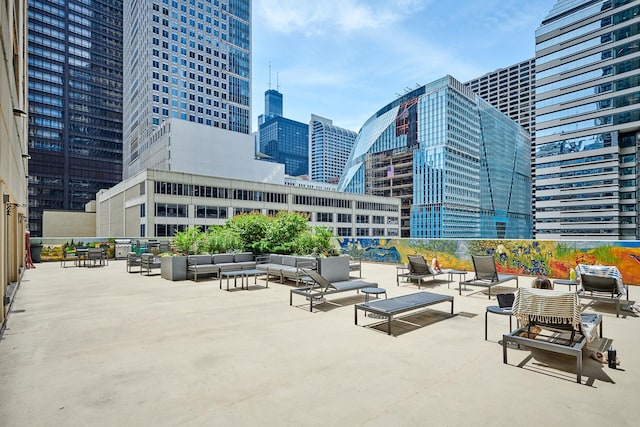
x=486, y=274
x=419, y=269
x=602, y=283
x=557, y=312
x=322, y=287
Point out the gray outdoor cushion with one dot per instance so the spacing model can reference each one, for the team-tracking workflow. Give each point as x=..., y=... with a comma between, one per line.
x=334, y=269
x=199, y=259
x=305, y=261
x=243, y=257
x=275, y=259
x=289, y=260
x=222, y=258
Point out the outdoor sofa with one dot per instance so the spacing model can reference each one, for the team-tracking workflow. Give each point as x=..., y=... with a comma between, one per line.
x=201, y=265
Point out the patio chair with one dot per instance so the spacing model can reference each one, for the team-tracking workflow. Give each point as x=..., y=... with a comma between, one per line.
x=322, y=287
x=95, y=257
x=419, y=269
x=557, y=312
x=486, y=274
x=601, y=283
x=68, y=256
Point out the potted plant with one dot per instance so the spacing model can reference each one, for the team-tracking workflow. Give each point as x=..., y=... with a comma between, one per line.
x=174, y=266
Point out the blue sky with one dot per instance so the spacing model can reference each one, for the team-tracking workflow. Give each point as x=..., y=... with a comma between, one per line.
x=345, y=59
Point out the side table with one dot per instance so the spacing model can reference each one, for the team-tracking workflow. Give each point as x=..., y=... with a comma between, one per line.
x=566, y=282
x=461, y=276
x=497, y=310
x=373, y=291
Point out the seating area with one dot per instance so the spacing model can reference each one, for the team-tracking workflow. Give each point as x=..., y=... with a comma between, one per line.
x=251, y=340
x=208, y=265
x=84, y=257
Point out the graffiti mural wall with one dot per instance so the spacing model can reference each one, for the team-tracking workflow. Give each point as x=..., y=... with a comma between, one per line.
x=523, y=257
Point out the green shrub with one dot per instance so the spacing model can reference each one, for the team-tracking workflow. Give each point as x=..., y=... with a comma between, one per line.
x=189, y=241
x=314, y=241
x=220, y=239
x=251, y=229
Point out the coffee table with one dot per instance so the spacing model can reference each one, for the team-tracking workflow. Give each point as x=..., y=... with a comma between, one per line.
x=242, y=274
x=393, y=306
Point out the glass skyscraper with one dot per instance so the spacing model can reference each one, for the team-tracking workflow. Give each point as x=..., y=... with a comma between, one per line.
x=282, y=140
x=187, y=60
x=588, y=120
x=272, y=103
x=330, y=147
x=286, y=141
x=75, y=103
x=461, y=165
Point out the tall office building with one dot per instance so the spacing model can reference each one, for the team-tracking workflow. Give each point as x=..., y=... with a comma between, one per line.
x=588, y=121
x=75, y=103
x=460, y=167
x=282, y=140
x=330, y=147
x=187, y=60
x=286, y=141
x=510, y=90
x=272, y=103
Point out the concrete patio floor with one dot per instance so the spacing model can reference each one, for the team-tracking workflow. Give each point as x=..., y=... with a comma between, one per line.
x=100, y=346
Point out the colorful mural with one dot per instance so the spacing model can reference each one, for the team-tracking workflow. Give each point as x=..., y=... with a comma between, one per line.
x=523, y=257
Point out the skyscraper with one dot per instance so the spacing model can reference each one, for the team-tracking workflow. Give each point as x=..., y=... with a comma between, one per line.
x=588, y=121
x=286, y=141
x=272, y=103
x=460, y=166
x=75, y=103
x=329, y=147
x=283, y=140
x=185, y=60
x=510, y=90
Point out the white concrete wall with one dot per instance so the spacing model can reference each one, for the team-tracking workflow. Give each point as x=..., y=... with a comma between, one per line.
x=183, y=146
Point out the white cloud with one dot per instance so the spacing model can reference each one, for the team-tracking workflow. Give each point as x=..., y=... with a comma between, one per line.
x=321, y=16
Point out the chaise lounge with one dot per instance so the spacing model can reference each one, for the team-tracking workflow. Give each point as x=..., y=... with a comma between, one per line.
x=602, y=283
x=419, y=269
x=334, y=279
x=557, y=312
x=486, y=274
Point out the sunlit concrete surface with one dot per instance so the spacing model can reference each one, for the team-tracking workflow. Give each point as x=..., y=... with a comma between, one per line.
x=100, y=346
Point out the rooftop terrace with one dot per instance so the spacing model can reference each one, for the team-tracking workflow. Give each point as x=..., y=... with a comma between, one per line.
x=100, y=346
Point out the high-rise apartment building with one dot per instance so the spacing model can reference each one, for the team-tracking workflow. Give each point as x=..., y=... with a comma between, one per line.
x=75, y=103
x=329, y=147
x=187, y=60
x=588, y=121
x=460, y=167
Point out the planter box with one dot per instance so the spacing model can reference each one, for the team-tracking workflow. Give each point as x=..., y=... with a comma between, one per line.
x=173, y=268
